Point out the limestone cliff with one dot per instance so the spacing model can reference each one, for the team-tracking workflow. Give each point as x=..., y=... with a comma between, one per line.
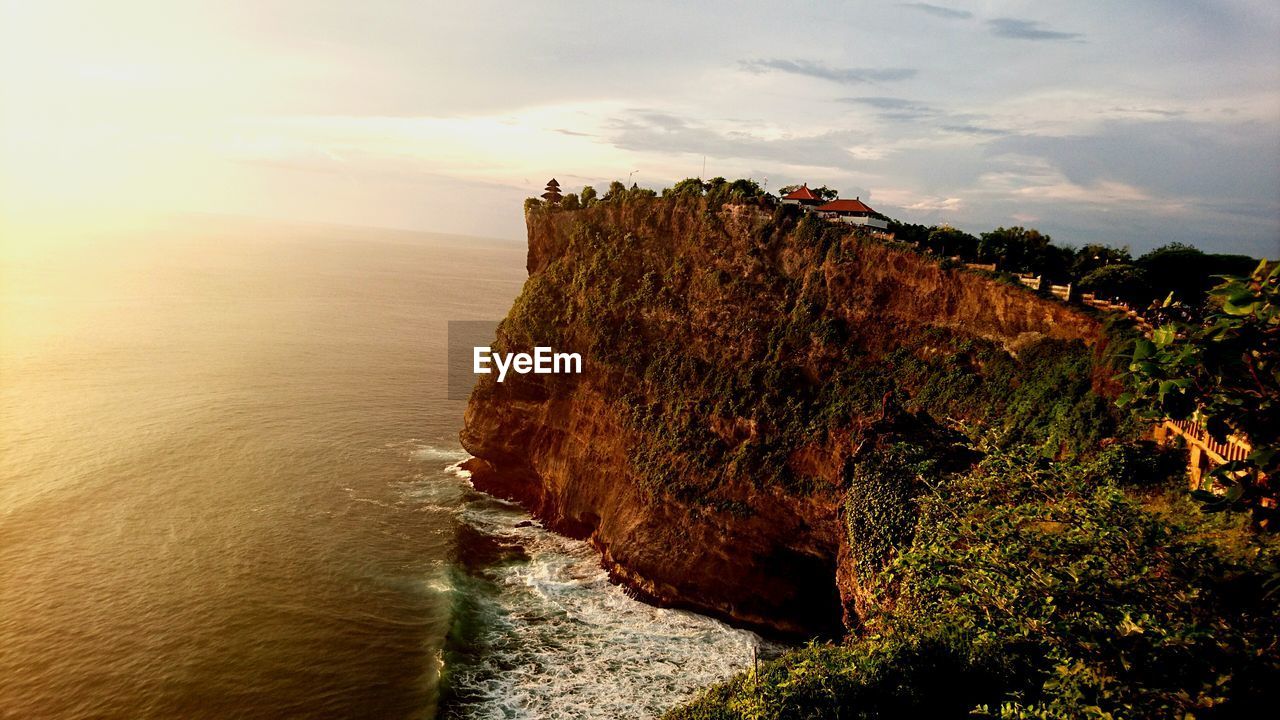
x=736, y=359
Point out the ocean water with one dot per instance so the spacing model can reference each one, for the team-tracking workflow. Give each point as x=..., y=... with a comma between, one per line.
x=229, y=488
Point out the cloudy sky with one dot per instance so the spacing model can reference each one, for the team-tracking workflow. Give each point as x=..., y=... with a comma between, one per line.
x=1133, y=123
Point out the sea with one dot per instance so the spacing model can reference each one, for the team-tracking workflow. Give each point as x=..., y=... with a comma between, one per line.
x=230, y=488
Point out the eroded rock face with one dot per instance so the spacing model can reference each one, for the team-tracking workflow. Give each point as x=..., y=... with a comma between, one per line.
x=568, y=463
x=757, y=552
x=888, y=283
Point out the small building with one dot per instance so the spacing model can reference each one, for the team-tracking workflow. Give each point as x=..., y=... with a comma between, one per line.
x=801, y=196
x=852, y=212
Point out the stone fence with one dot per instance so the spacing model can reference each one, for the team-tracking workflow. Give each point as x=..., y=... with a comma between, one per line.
x=1093, y=301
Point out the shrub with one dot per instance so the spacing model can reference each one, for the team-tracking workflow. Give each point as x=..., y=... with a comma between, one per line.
x=879, y=506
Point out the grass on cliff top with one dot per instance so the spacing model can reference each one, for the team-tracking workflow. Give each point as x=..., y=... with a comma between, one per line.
x=1035, y=589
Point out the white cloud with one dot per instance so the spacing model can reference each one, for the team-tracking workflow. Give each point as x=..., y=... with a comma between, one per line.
x=908, y=200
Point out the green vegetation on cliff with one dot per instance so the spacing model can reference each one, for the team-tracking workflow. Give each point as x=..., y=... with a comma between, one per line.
x=1028, y=588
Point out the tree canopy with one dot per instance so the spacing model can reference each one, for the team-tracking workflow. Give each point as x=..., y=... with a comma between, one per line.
x=1187, y=272
x=689, y=187
x=1094, y=256
x=1124, y=281
x=616, y=191
x=948, y=241
x=1019, y=249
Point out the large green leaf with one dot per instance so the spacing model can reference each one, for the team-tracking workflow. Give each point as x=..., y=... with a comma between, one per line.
x=1142, y=349
x=1145, y=367
x=1241, y=303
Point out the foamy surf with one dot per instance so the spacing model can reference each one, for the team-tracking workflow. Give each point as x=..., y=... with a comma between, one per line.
x=539, y=631
x=543, y=633
x=431, y=453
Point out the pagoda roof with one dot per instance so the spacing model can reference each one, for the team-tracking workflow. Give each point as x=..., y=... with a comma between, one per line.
x=801, y=193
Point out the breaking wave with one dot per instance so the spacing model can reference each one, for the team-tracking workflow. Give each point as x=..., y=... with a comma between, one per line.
x=539, y=631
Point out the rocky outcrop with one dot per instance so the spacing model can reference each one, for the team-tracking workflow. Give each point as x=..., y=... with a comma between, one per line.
x=734, y=290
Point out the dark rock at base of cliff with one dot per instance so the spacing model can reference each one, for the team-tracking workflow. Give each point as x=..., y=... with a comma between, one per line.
x=478, y=551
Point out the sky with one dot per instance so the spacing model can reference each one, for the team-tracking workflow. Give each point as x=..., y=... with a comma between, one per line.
x=1135, y=123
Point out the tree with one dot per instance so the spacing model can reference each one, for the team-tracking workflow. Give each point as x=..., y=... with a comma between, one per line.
x=617, y=192
x=910, y=232
x=1018, y=249
x=720, y=190
x=570, y=202
x=825, y=193
x=1224, y=373
x=744, y=189
x=1187, y=272
x=1053, y=262
x=1178, y=269
x=1094, y=256
x=588, y=197
x=1124, y=281
x=636, y=192
x=689, y=187
x=948, y=242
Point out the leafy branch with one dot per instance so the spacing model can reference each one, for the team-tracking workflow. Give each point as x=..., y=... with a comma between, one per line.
x=1223, y=373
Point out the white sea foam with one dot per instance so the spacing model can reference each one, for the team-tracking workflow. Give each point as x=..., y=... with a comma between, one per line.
x=435, y=488
x=559, y=639
x=429, y=453
x=563, y=642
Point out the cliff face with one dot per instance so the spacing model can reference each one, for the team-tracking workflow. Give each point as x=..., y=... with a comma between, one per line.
x=735, y=362
x=568, y=462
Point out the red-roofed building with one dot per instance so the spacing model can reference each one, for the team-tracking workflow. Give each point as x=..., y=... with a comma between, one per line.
x=801, y=196
x=853, y=212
